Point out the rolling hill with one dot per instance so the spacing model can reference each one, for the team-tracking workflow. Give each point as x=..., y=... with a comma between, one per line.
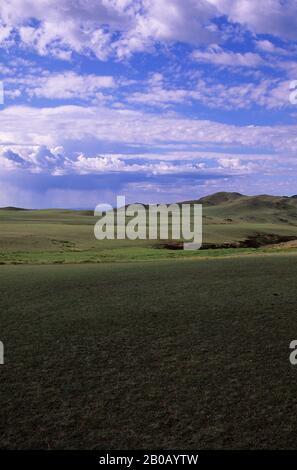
x=233, y=218
x=230, y=220
x=262, y=209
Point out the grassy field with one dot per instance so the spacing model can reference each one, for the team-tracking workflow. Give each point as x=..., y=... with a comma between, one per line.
x=128, y=345
x=168, y=354
x=64, y=236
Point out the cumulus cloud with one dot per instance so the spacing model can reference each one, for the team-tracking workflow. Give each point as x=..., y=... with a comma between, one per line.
x=112, y=163
x=53, y=126
x=94, y=25
x=217, y=56
x=33, y=158
x=83, y=24
x=80, y=180
x=69, y=85
x=268, y=46
x=72, y=127
x=269, y=94
x=54, y=161
x=105, y=27
x=275, y=17
x=237, y=165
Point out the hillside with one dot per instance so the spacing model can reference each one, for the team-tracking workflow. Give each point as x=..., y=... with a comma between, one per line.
x=234, y=217
x=230, y=221
x=235, y=207
x=11, y=208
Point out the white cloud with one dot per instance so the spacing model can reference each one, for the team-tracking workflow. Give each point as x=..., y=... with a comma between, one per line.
x=113, y=163
x=268, y=46
x=53, y=127
x=275, y=17
x=104, y=27
x=236, y=164
x=141, y=23
x=168, y=21
x=65, y=25
x=5, y=32
x=33, y=158
x=217, y=56
x=158, y=96
x=66, y=85
x=38, y=159
x=270, y=94
x=71, y=85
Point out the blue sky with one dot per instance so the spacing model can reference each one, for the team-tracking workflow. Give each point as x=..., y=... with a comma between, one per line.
x=157, y=100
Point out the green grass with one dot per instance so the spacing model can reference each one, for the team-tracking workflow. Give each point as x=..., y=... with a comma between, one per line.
x=126, y=345
x=165, y=354
x=131, y=254
x=63, y=236
x=114, y=255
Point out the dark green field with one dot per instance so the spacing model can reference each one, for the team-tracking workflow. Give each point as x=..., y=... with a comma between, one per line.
x=130, y=345
x=173, y=354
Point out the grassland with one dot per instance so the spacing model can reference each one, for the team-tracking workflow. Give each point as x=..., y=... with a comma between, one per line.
x=64, y=236
x=127, y=345
x=165, y=354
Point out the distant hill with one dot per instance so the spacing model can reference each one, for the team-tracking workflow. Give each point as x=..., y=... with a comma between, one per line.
x=218, y=208
x=220, y=198
x=230, y=219
x=238, y=208
x=11, y=208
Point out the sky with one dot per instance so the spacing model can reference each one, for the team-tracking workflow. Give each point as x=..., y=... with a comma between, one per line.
x=156, y=100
